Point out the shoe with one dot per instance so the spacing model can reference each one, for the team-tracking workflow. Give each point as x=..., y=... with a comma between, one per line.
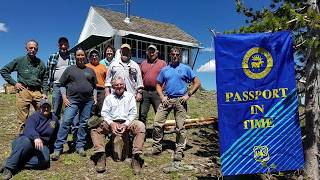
x=55, y=156
x=81, y=152
x=6, y=174
x=177, y=156
x=101, y=163
x=153, y=152
x=135, y=164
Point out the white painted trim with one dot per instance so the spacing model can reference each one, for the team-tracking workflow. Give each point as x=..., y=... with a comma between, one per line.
x=125, y=33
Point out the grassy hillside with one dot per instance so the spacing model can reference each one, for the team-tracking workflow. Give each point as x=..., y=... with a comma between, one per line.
x=201, y=155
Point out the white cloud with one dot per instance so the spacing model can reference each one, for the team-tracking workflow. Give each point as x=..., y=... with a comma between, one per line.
x=208, y=67
x=3, y=27
x=207, y=49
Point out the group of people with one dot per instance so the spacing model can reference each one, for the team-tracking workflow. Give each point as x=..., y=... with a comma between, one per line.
x=109, y=88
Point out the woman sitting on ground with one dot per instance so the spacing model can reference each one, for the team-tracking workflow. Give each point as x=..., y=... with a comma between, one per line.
x=31, y=148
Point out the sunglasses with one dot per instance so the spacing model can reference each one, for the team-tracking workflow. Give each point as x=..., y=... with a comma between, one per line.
x=94, y=55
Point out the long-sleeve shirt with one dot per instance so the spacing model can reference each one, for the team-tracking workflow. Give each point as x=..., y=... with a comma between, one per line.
x=119, y=108
x=79, y=83
x=130, y=72
x=30, y=72
x=39, y=126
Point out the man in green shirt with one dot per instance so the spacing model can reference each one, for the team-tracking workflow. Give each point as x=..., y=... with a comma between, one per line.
x=31, y=84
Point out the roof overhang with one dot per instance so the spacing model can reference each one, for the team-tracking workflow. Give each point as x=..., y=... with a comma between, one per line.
x=125, y=33
x=90, y=42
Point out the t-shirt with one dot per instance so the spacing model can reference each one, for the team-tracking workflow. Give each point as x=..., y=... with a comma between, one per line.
x=79, y=83
x=101, y=73
x=62, y=65
x=176, y=79
x=150, y=72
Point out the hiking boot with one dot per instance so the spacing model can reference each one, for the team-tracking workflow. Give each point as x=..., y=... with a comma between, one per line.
x=135, y=164
x=177, y=156
x=101, y=163
x=81, y=152
x=153, y=152
x=55, y=156
x=6, y=174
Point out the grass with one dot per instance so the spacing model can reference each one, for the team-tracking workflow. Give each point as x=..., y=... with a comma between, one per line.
x=72, y=166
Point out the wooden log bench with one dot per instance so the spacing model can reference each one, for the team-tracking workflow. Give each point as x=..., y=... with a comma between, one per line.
x=120, y=144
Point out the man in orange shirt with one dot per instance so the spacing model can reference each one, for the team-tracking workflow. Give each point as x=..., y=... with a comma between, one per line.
x=101, y=73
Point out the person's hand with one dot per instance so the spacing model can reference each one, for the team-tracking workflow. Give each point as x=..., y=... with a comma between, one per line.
x=122, y=128
x=19, y=86
x=138, y=97
x=66, y=101
x=165, y=100
x=38, y=144
x=114, y=128
x=107, y=91
x=184, y=98
x=95, y=101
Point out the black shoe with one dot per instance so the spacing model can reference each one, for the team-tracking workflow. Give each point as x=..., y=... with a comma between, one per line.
x=6, y=174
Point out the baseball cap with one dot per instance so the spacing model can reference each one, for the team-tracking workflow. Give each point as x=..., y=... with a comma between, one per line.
x=125, y=46
x=43, y=102
x=153, y=47
x=63, y=39
x=93, y=51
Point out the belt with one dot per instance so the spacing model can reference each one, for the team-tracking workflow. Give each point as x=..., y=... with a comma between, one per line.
x=33, y=88
x=173, y=97
x=149, y=88
x=119, y=121
x=100, y=88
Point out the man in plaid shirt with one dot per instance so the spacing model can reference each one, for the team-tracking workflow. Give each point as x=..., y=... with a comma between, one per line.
x=56, y=65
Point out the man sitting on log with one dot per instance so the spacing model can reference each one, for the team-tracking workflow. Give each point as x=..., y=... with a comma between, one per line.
x=118, y=112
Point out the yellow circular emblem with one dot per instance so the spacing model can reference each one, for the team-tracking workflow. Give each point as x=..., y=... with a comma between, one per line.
x=257, y=63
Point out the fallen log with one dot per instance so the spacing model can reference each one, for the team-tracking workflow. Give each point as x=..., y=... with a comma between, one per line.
x=191, y=123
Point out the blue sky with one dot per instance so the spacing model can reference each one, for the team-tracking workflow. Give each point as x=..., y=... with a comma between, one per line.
x=46, y=21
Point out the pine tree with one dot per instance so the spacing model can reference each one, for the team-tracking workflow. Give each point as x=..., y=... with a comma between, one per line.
x=302, y=17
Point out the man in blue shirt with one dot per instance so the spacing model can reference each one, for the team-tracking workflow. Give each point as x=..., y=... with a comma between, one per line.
x=31, y=148
x=172, y=87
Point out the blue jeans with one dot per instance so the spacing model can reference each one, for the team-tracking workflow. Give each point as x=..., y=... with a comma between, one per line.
x=57, y=99
x=57, y=104
x=24, y=154
x=70, y=112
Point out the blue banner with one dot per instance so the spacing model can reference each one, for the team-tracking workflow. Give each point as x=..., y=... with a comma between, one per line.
x=257, y=103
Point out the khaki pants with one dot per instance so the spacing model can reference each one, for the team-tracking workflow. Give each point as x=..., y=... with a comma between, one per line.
x=137, y=128
x=180, y=112
x=25, y=98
